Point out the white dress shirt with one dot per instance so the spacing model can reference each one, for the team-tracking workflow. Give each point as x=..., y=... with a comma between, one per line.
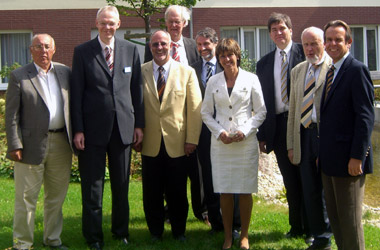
x=280, y=107
x=181, y=52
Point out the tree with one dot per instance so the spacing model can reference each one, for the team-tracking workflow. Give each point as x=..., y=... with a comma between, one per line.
x=145, y=9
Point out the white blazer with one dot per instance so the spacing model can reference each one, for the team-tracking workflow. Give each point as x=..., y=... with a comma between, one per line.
x=244, y=110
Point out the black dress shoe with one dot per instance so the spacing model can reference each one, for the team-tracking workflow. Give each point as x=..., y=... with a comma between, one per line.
x=319, y=247
x=155, y=238
x=96, y=246
x=181, y=238
x=309, y=239
x=62, y=247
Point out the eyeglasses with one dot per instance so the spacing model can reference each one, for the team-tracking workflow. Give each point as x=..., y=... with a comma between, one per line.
x=163, y=44
x=40, y=47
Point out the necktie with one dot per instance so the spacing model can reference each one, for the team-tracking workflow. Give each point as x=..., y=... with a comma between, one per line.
x=284, y=77
x=329, y=80
x=209, y=71
x=109, y=58
x=308, y=97
x=160, y=82
x=175, y=51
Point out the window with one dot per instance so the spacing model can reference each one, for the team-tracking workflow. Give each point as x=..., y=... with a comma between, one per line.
x=365, y=46
x=255, y=40
x=14, y=47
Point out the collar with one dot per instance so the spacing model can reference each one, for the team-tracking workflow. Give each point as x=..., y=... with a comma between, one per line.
x=166, y=65
x=287, y=49
x=180, y=42
x=324, y=56
x=39, y=69
x=339, y=63
x=212, y=60
x=103, y=45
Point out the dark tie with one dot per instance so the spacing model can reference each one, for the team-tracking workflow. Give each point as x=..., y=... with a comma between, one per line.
x=308, y=97
x=209, y=71
x=175, y=51
x=329, y=80
x=161, y=82
x=109, y=58
x=284, y=77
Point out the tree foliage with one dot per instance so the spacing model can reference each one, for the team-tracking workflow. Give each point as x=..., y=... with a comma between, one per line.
x=145, y=9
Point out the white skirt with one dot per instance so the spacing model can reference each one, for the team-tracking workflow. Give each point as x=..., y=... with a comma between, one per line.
x=235, y=165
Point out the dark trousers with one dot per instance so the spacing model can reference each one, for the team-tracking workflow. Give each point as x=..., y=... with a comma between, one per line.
x=92, y=162
x=196, y=185
x=212, y=200
x=344, y=200
x=162, y=175
x=313, y=195
x=291, y=177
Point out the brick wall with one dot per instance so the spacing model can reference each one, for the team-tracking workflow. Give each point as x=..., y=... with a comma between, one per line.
x=73, y=27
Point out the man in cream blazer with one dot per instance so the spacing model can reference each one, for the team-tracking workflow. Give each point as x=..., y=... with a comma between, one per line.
x=172, y=101
x=38, y=128
x=307, y=81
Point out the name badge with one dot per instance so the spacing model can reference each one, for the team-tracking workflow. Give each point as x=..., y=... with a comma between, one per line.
x=127, y=70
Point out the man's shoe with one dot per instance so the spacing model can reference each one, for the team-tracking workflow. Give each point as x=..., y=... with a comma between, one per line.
x=309, y=239
x=96, y=246
x=181, y=238
x=290, y=235
x=155, y=238
x=124, y=241
x=19, y=248
x=235, y=234
x=319, y=247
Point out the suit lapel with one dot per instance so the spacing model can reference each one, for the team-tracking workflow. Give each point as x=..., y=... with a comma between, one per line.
x=32, y=73
x=98, y=54
x=322, y=74
x=149, y=78
x=171, y=81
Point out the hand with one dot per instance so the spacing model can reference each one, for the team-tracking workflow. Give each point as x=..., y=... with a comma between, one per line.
x=263, y=147
x=189, y=148
x=355, y=167
x=138, y=136
x=16, y=155
x=79, y=140
x=225, y=138
x=239, y=136
x=290, y=155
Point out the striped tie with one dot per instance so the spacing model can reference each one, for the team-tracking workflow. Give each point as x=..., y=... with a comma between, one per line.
x=284, y=77
x=175, y=51
x=109, y=58
x=308, y=98
x=161, y=82
x=329, y=80
x=209, y=71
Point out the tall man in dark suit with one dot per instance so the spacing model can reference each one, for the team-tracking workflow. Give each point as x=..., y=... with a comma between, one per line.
x=108, y=116
x=273, y=71
x=176, y=18
x=183, y=50
x=207, y=40
x=38, y=129
x=345, y=153
x=307, y=81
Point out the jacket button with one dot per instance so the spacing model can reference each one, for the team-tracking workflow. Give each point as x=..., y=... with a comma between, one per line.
x=230, y=107
x=218, y=122
x=230, y=118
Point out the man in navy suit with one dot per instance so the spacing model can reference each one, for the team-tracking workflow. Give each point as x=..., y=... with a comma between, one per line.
x=206, y=40
x=108, y=116
x=346, y=123
x=272, y=133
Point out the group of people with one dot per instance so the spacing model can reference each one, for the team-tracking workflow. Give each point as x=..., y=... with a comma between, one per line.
x=193, y=112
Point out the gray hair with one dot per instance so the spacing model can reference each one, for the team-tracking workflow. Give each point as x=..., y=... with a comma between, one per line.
x=108, y=8
x=44, y=34
x=167, y=34
x=181, y=10
x=317, y=31
x=208, y=33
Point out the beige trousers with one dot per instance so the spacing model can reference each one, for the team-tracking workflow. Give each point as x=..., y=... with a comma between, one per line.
x=54, y=173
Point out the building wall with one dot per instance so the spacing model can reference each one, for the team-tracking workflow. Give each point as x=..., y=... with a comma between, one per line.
x=71, y=27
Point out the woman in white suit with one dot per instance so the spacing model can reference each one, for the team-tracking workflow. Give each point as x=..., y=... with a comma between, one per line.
x=236, y=97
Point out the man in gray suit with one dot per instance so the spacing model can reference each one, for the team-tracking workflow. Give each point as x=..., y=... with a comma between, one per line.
x=307, y=81
x=108, y=117
x=38, y=131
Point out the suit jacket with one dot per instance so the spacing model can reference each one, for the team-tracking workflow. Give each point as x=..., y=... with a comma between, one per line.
x=265, y=68
x=235, y=111
x=177, y=119
x=98, y=95
x=198, y=66
x=190, y=48
x=27, y=114
x=297, y=89
x=347, y=119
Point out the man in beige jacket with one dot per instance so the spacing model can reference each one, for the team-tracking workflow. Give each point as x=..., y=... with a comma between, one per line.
x=307, y=81
x=172, y=101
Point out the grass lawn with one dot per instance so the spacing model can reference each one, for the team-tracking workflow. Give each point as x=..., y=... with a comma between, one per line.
x=268, y=225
